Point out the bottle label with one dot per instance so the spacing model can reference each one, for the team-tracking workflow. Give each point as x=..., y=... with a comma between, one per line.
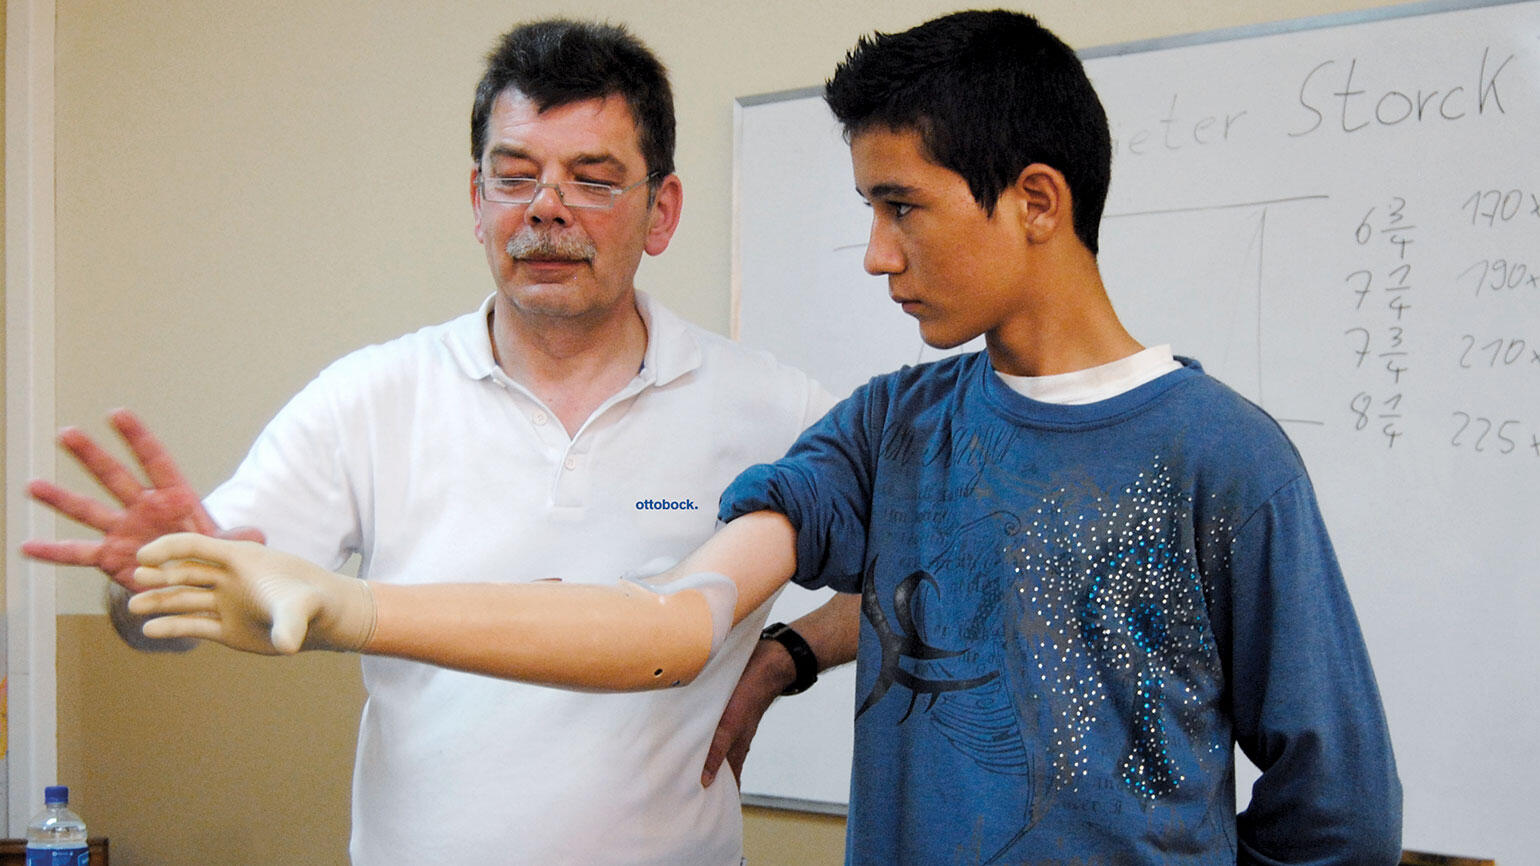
x=58, y=856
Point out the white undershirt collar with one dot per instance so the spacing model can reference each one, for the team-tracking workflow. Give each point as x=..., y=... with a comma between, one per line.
x=1098, y=383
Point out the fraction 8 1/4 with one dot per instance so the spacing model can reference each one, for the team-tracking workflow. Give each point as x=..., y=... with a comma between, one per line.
x=1383, y=415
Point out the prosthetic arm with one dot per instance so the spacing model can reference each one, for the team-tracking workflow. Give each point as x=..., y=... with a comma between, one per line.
x=627, y=636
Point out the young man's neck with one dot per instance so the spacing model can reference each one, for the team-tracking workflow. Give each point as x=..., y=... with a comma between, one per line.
x=573, y=364
x=1071, y=326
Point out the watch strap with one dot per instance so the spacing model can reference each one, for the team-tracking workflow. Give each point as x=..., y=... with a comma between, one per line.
x=802, y=657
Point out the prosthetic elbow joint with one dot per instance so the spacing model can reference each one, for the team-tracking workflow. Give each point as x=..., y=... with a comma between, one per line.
x=721, y=596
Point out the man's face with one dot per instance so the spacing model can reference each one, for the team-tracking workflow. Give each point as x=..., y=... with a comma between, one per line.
x=959, y=272
x=568, y=262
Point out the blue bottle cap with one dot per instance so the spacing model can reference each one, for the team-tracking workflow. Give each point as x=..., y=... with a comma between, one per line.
x=56, y=794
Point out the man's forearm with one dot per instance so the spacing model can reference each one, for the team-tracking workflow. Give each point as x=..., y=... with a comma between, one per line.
x=831, y=632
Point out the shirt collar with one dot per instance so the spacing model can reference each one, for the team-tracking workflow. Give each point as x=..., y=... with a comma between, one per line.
x=469, y=342
x=1096, y=383
x=673, y=349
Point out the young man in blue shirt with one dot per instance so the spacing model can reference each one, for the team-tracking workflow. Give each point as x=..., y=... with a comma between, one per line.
x=1087, y=569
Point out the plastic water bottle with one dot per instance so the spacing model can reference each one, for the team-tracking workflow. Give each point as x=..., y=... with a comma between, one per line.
x=57, y=836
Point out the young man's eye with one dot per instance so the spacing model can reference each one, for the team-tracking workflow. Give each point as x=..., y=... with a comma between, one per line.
x=895, y=209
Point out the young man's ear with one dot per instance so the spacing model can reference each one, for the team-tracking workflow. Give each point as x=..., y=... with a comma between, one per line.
x=1043, y=202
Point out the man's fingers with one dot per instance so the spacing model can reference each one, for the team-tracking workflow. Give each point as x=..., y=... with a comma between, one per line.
x=164, y=476
x=735, y=759
x=105, y=468
x=172, y=509
x=81, y=509
x=156, y=461
x=63, y=552
x=714, y=755
x=173, y=600
x=193, y=625
x=243, y=533
x=188, y=545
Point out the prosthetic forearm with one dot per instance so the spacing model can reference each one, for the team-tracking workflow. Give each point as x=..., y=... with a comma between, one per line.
x=625, y=636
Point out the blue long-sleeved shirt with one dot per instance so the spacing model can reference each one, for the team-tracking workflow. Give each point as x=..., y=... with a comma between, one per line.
x=1072, y=613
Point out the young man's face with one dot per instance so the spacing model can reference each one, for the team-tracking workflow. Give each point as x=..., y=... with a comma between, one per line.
x=959, y=272
x=590, y=256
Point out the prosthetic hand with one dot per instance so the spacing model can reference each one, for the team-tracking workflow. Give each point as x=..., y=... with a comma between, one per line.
x=249, y=597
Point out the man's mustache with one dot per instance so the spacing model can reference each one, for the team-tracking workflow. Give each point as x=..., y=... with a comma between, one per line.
x=530, y=244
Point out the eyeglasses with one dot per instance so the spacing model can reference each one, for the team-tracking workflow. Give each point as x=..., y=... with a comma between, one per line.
x=573, y=193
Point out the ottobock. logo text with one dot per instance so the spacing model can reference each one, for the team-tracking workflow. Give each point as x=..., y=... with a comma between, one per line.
x=666, y=505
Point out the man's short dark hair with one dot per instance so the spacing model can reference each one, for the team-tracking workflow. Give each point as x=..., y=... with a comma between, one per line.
x=989, y=94
x=558, y=62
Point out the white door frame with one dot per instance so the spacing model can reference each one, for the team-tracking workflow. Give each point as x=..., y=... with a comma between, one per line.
x=31, y=759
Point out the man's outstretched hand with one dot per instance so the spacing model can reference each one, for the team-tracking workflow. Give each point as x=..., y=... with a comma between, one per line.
x=162, y=504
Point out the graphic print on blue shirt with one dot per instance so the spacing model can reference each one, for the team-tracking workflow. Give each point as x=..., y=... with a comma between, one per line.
x=900, y=641
x=1042, y=641
x=1115, y=620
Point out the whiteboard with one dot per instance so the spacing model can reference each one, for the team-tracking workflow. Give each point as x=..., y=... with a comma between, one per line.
x=1340, y=218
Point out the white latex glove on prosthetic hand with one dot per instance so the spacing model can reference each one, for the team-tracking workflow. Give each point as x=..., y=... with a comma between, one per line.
x=249, y=597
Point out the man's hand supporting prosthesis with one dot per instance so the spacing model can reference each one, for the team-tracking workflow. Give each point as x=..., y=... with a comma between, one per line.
x=163, y=502
x=620, y=637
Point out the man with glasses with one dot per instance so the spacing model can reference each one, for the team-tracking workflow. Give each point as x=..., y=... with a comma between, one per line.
x=570, y=413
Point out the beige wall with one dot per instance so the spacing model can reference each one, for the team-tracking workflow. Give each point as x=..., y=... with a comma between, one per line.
x=248, y=190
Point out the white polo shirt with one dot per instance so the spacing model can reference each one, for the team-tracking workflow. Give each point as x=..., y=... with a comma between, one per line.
x=426, y=459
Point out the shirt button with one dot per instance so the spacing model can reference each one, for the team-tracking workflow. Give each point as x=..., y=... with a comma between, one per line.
x=540, y=419
x=570, y=463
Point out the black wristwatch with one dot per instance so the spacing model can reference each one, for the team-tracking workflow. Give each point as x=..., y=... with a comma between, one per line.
x=801, y=655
